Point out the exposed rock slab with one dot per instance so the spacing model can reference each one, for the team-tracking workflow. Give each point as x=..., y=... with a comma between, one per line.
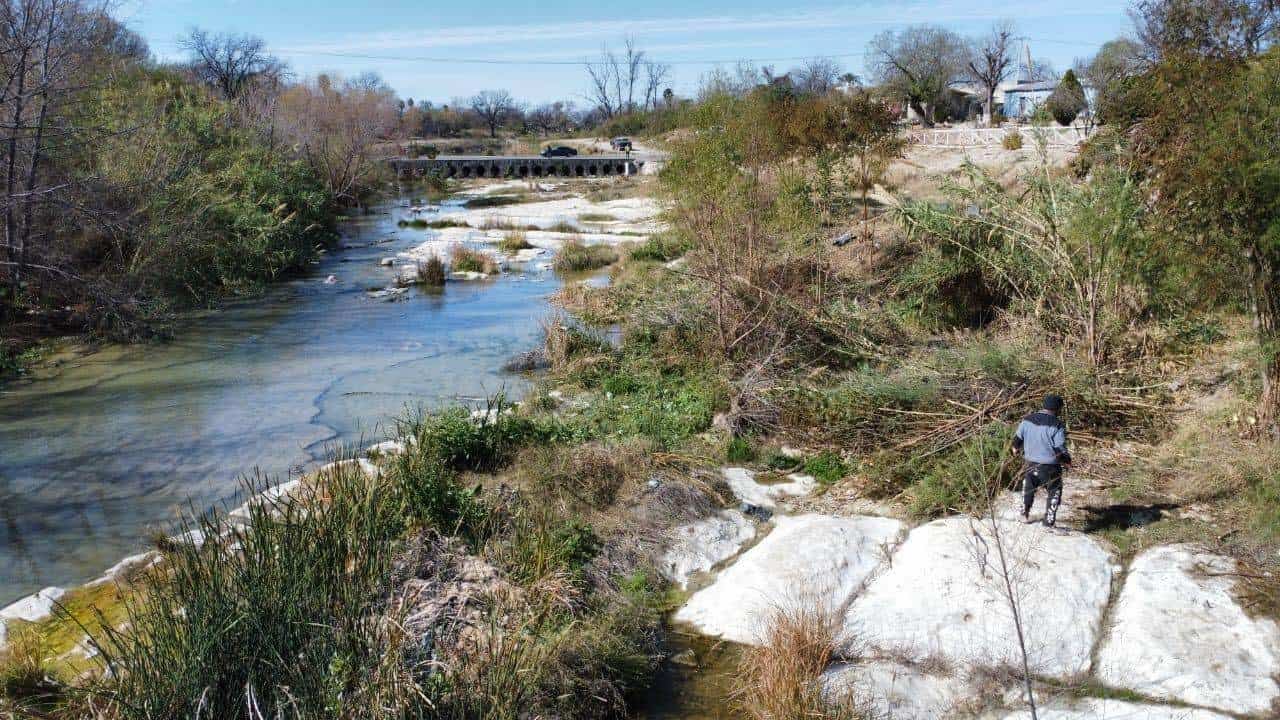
x=1097, y=709
x=886, y=689
x=697, y=546
x=808, y=560
x=944, y=598
x=747, y=489
x=32, y=608
x=1178, y=633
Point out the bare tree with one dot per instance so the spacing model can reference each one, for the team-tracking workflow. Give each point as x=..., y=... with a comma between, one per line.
x=227, y=61
x=633, y=63
x=550, y=117
x=44, y=44
x=656, y=75
x=337, y=125
x=615, y=79
x=493, y=107
x=919, y=63
x=990, y=63
x=1214, y=28
x=817, y=76
x=1105, y=72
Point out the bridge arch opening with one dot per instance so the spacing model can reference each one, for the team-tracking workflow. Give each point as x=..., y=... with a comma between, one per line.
x=494, y=171
x=593, y=171
x=466, y=171
x=607, y=169
x=524, y=171
x=579, y=170
x=537, y=171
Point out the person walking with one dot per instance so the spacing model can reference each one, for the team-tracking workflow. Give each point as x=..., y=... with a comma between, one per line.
x=1041, y=438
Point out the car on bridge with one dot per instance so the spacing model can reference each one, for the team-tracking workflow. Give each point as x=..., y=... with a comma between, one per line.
x=559, y=151
x=621, y=144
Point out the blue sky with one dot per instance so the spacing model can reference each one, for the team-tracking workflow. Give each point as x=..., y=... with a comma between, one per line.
x=401, y=39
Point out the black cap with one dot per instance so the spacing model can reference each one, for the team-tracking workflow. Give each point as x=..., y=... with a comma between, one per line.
x=1053, y=402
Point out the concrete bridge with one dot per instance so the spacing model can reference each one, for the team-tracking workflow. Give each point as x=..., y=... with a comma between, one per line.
x=519, y=166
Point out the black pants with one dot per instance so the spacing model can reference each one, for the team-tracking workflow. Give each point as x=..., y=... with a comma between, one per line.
x=1049, y=477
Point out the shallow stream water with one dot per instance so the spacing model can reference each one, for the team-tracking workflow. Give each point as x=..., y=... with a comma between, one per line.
x=119, y=442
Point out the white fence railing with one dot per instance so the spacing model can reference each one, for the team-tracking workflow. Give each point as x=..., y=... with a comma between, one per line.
x=990, y=137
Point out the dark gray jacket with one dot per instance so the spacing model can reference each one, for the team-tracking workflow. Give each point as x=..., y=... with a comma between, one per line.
x=1042, y=438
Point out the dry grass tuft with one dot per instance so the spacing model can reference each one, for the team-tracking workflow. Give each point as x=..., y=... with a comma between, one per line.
x=779, y=680
x=514, y=241
x=431, y=272
x=465, y=259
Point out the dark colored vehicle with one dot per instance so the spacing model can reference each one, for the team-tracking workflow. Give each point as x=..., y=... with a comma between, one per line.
x=560, y=151
x=621, y=144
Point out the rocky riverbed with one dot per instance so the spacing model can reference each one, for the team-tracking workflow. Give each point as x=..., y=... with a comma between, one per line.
x=927, y=629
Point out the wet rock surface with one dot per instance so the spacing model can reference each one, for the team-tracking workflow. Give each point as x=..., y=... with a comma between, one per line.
x=698, y=546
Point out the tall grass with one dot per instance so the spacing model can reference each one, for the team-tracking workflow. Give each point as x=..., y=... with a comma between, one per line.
x=274, y=613
x=575, y=256
x=779, y=679
x=513, y=242
x=465, y=259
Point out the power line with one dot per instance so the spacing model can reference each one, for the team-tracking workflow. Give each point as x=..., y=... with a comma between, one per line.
x=518, y=62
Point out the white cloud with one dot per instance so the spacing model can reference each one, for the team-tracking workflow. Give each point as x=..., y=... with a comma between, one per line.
x=589, y=33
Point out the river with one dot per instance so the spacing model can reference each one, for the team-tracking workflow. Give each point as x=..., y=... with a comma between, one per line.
x=116, y=444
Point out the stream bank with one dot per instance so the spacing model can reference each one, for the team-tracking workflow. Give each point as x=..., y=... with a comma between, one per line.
x=106, y=447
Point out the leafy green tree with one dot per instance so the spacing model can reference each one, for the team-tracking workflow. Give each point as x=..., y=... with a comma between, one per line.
x=1067, y=100
x=1209, y=146
x=866, y=138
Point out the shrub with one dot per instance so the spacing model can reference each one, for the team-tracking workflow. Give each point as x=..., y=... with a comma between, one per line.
x=563, y=341
x=458, y=441
x=485, y=201
x=281, y=623
x=539, y=544
x=1067, y=100
x=826, y=467
x=513, y=242
x=739, y=450
x=465, y=259
x=563, y=226
x=421, y=224
x=575, y=256
x=431, y=272
x=1012, y=141
x=659, y=248
x=781, y=678
x=958, y=480
x=596, y=217
x=434, y=498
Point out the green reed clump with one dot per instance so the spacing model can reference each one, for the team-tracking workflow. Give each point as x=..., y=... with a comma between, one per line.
x=576, y=256
x=272, y=612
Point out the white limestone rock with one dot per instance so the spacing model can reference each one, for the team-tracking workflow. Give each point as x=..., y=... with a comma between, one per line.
x=1098, y=709
x=1177, y=632
x=699, y=545
x=33, y=608
x=887, y=689
x=386, y=447
x=811, y=560
x=467, y=275
x=387, y=262
x=745, y=487
x=944, y=598
x=136, y=563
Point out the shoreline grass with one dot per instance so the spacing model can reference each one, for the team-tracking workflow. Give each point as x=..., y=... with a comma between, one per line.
x=576, y=256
